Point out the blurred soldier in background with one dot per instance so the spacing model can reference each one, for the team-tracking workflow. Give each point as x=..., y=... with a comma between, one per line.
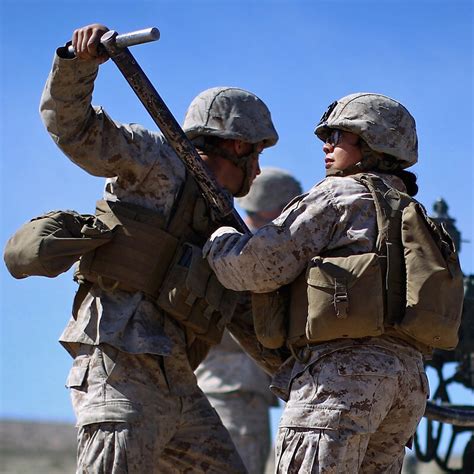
x=233, y=383
x=271, y=191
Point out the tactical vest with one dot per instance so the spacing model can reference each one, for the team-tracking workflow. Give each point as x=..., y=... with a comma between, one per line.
x=163, y=260
x=410, y=286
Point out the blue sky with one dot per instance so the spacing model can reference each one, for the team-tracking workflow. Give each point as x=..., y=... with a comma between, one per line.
x=298, y=56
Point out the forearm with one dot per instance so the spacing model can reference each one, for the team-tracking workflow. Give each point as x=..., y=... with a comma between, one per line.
x=65, y=105
x=278, y=252
x=87, y=135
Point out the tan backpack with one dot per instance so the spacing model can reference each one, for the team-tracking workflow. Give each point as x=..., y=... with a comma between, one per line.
x=433, y=279
x=411, y=282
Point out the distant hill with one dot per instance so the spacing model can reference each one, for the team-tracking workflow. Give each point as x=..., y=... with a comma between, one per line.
x=28, y=447
x=37, y=448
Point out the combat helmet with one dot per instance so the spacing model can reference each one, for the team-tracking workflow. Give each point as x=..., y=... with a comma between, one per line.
x=384, y=124
x=272, y=189
x=231, y=113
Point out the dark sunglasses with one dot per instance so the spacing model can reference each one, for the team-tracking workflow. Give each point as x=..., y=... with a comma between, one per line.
x=334, y=138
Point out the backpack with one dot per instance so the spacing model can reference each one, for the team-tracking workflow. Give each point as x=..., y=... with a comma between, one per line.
x=423, y=277
x=411, y=282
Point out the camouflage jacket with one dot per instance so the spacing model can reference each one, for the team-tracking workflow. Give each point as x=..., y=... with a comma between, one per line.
x=336, y=213
x=141, y=168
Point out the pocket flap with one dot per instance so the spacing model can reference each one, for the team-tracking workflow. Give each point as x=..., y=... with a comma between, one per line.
x=323, y=271
x=370, y=362
x=310, y=416
x=214, y=293
x=78, y=372
x=198, y=274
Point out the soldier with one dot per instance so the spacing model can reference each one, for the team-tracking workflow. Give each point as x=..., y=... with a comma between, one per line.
x=133, y=389
x=236, y=387
x=353, y=402
x=273, y=189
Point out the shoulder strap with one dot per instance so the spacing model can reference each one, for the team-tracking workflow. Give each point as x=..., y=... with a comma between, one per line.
x=182, y=213
x=389, y=204
x=388, y=208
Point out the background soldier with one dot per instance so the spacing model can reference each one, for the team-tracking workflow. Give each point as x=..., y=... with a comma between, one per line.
x=353, y=402
x=271, y=191
x=132, y=384
x=236, y=387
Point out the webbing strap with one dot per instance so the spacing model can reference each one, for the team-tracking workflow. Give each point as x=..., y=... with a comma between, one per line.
x=389, y=204
x=182, y=213
x=383, y=211
x=341, y=298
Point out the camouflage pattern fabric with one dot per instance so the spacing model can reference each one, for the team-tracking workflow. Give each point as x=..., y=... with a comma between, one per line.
x=239, y=391
x=130, y=421
x=140, y=168
x=358, y=407
x=338, y=212
x=353, y=409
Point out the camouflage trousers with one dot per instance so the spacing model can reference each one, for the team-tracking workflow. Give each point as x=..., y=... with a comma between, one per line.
x=352, y=410
x=246, y=417
x=131, y=422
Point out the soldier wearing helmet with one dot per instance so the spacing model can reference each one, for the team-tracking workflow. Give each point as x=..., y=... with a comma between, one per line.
x=354, y=397
x=141, y=324
x=229, y=378
x=273, y=189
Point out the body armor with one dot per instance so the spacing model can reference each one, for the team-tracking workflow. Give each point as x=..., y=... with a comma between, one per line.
x=163, y=260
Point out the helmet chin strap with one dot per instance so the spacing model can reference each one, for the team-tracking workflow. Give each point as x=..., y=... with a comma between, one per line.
x=245, y=163
x=366, y=164
x=242, y=162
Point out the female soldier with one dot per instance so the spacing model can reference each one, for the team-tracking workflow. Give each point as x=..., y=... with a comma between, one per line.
x=355, y=397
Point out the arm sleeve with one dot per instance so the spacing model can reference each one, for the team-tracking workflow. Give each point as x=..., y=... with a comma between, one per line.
x=86, y=134
x=277, y=253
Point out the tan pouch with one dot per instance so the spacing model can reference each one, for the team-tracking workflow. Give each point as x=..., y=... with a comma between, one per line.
x=138, y=256
x=193, y=295
x=50, y=244
x=270, y=313
x=345, y=297
x=435, y=288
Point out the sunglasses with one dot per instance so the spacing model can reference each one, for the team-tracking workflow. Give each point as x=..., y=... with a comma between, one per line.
x=334, y=138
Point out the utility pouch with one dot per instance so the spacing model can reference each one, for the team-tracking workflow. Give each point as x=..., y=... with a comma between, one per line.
x=434, y=292
x=139, y=254
x=192, y=294
x=345, y=297
x=270, y=313
x=50, y=244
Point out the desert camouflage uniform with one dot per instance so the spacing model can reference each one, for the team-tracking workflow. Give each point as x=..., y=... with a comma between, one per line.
x=239, y=391
x=236, y=387
x=355, y=403
x=134, y=393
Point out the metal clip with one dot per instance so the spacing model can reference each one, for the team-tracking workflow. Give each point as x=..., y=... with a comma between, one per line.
x=301, y=354
x=103, y=286
x=341, y=299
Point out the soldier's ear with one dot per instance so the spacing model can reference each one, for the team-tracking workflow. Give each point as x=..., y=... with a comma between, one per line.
x=241, y=148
